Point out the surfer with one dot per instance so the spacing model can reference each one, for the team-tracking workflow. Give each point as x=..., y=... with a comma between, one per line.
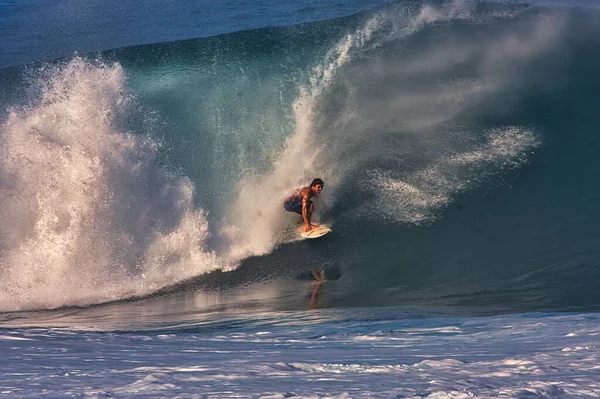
x=300, y=202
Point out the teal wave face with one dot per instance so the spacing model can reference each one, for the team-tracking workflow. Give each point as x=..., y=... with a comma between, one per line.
x=456, y=142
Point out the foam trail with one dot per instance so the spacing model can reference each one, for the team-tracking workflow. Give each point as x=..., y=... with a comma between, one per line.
x=86, y=215
x=416, y=198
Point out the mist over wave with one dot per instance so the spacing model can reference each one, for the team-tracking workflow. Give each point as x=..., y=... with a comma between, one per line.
x=125, y=172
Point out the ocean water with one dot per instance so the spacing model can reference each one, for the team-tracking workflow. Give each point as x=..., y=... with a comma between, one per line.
x=146, y=149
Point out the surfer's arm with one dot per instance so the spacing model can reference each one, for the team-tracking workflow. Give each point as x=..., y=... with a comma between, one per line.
x=305, y=203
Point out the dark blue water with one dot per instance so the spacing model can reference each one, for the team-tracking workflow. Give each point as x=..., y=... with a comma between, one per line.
x=34, y=30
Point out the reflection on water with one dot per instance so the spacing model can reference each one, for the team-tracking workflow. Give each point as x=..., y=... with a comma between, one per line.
x=177, y=310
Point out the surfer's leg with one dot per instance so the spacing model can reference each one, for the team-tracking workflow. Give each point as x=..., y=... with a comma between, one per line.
x=316, y=275
x=293, y=205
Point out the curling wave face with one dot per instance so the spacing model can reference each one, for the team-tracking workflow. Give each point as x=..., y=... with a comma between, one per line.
x=448, y=136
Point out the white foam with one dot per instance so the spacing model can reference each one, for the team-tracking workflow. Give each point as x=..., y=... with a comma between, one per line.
x=501, y=356
x=87, y=217
x=11, y=338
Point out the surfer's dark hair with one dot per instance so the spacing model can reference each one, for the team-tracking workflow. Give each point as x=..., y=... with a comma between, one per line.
x=316, y=182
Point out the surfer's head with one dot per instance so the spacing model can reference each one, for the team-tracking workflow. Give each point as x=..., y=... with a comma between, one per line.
x=317, y=185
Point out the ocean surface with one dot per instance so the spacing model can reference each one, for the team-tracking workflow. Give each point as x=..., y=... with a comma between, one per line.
x=146, y=149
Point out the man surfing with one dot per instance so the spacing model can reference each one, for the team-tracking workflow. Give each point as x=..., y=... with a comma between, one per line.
x=300, y=202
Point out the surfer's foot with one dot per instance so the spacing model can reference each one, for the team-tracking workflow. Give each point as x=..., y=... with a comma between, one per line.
x=312, y=227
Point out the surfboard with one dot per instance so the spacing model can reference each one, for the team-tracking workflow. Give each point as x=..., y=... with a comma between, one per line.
x=317, y=232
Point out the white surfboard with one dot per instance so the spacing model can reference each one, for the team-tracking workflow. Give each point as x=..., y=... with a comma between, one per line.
x=318, y=231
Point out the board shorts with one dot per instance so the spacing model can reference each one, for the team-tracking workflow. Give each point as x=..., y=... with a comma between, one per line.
x=294, y=204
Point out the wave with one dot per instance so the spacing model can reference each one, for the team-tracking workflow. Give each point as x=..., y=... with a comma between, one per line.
x=434, y=126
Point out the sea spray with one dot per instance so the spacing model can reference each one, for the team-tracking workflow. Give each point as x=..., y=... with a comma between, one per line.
x=87, y=214
x=418, y=197
x=405, y=110
x=255, y=230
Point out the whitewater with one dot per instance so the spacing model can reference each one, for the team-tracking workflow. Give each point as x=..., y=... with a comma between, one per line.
x=144, y=250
